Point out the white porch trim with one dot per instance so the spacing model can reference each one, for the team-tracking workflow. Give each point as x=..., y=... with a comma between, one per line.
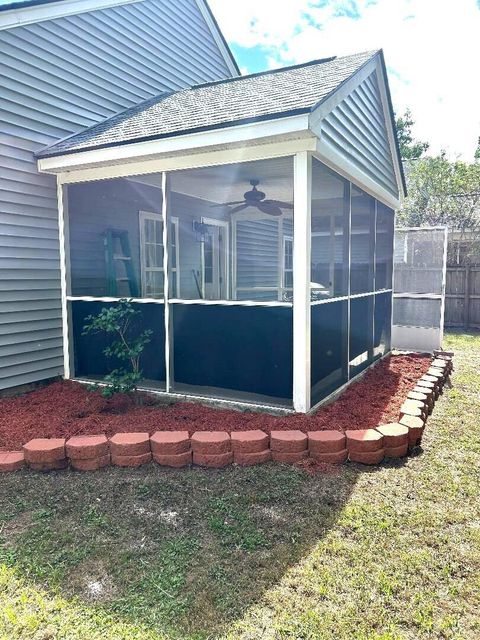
x=247, y=135
x=302, y=204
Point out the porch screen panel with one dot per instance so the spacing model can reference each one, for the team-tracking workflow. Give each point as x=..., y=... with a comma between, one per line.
x=362, y=242
x=115, y=237
x=232, y=220
x=384, y=247
x=382, y=324
x=90, y=361
x=419, y=257
x=330, y=233
x=234, y=352
x=329, y=352
x=361, y=334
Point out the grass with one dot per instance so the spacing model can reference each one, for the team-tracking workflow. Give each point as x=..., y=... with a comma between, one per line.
x=387, y=553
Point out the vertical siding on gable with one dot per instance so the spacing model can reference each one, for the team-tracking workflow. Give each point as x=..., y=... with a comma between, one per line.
x=356, y=130
x=57, y=77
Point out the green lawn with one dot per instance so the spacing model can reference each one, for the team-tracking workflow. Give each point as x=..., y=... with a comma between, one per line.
x=381, y=553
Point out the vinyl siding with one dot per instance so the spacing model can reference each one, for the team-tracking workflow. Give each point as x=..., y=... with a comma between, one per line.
x=356, y=130
x=57, y=77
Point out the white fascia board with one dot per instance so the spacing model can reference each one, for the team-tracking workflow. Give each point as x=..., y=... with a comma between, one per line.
x=335, y=161
x=217, y=36
x=51, y=10
x=253, y=133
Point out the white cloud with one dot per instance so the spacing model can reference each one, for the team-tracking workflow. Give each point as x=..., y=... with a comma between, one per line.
x=432, y=50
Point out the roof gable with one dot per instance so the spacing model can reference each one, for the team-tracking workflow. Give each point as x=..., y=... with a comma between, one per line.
x=356, y=129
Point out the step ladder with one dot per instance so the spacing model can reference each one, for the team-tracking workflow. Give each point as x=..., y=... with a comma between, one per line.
x=118, y=262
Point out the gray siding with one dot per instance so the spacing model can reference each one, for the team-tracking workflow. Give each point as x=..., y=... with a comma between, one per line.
x=356, y=130
x=57, y=77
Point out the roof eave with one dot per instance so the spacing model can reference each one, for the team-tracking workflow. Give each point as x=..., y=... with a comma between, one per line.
x=250, y=132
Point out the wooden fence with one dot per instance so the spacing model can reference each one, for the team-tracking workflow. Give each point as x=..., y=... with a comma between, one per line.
x=462, y=297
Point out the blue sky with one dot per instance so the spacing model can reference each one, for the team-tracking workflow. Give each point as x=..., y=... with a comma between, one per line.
x=432, y=50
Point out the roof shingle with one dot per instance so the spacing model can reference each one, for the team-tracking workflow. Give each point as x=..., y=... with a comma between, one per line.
x=261, y=96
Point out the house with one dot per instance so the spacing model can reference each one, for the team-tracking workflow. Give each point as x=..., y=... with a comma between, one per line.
x=64, y=66
x=250, y=221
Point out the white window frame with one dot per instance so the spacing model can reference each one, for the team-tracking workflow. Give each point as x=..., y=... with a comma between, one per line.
x=175, y=271
x=214, y=222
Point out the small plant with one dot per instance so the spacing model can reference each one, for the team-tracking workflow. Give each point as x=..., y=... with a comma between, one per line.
x=126, y=347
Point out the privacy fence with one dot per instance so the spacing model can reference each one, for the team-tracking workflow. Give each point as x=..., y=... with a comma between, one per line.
x=462, y=297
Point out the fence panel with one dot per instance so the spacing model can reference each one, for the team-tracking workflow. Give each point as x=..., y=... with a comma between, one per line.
x=462, y=297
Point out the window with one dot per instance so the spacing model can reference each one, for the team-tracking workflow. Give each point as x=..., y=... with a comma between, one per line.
x=362, y=242
x=151, y=254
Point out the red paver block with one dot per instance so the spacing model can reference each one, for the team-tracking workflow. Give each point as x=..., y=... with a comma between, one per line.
x=406, y=410
x=90, y=464
x=440, y=364
x=87, y=447
x=396, y=452
x=289, y=457
x=170, y=442
x=430, y=385
x=437, y=373
x=56, y=465
x=291, y=441
x=326, y=442
x=176, y=460
x=334, y=457
x=210, y=442
x=364, y=440
x=44, y=450
x=130, y=444
x=213, y=459
x=246, y=459
x=254, y=441
x=367, y=457
x=419, y=396
x=394, y=435
x=415, y=429
x=11, y=461
x=132, y=460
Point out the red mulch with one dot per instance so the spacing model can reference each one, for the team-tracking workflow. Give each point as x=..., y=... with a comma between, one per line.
x=63, y=409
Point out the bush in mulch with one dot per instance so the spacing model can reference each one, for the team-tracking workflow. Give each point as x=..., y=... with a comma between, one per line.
x=64, y=409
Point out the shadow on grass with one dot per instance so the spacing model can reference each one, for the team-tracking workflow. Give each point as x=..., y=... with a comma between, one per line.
x=181, y=552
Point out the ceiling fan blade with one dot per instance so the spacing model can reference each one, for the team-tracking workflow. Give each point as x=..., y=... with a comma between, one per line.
x=270, y=209
x=240, y=208
x=279, y=203
x=227, y=204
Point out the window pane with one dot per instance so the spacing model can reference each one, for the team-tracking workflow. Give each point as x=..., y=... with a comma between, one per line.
x=330, y=237
x=384, y=247
x=329, y=357
x=362, y=242
x=242, y=353
x=89, y=360
x=232, y=223
x=383, y=324
x=105, y=229
x=361, y=334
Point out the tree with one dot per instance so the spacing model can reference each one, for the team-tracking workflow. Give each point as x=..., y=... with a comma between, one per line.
x=410, y=149
x=477, y=151
x=441, y=192
x=127, y=347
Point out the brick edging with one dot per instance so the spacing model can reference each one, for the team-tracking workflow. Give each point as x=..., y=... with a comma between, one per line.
x=219, y=449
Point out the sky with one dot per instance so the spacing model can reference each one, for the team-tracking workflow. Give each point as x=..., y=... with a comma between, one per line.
x=432, y=51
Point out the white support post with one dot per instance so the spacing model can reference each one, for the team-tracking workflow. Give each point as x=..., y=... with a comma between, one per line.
x=64, y=279
x=166, y=282
x=301, y=281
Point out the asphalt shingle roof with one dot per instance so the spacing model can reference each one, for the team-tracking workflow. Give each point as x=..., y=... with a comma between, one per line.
x=261, y=96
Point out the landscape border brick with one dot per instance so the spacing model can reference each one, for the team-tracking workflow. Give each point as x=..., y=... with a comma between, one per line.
x=218, y=449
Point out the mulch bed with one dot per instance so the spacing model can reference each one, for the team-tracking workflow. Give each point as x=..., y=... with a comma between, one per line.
x=64, y=409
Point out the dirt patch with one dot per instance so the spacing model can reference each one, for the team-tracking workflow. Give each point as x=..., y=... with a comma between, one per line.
x=64, y=409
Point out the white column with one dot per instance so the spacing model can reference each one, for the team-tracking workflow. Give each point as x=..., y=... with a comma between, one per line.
x=301, y=280
x=166, y=281
x=64, y=279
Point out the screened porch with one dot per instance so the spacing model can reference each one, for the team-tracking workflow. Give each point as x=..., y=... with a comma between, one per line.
x=217, y=258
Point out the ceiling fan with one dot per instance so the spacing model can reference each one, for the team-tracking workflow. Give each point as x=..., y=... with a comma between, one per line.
x=256, y=198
